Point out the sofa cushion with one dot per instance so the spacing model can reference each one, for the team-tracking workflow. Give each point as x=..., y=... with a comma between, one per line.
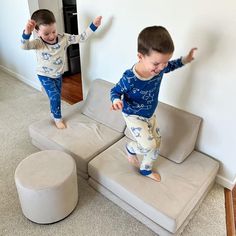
x=83, y=138
x=97, y=106
x=167, y=203
x=179, y=131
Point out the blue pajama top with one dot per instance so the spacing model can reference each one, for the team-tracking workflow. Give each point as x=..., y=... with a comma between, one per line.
x=140, y=97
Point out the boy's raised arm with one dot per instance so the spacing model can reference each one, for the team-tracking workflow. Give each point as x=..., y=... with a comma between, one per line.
x=29, y=28
x=97, y=21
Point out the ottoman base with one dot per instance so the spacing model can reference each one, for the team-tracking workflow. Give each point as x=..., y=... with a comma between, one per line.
x=47, y=186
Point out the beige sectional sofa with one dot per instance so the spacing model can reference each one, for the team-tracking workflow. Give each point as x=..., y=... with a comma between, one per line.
x=96, y=137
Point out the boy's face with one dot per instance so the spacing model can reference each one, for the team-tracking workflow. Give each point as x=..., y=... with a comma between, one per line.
x=154, y=63
x=48, y=33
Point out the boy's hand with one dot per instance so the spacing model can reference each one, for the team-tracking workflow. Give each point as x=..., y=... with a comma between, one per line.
x=30, y=26
x=189, y=57
x=97, y=21
x=117, y=105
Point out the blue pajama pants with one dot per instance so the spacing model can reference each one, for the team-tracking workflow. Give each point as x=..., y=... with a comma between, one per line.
x=52, y=87
x=147, y=140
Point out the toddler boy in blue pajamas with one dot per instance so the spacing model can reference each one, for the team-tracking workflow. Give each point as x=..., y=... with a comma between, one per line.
x=50, y=51
x=136, y=94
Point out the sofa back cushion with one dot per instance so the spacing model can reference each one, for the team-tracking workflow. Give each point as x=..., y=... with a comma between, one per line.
x=179, y=131
x=97, y=106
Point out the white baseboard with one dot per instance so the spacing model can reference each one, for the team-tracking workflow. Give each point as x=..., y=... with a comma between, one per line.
x=31, y=83
x=225, y=182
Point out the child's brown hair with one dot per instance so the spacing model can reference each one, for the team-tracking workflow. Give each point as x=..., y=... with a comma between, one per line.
x=43, y=17
x=155, y=38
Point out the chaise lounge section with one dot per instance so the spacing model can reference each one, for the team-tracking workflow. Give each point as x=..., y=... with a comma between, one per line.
x=91, y=128
x=96, y=137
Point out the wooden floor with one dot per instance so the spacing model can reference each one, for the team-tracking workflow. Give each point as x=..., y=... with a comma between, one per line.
x=230, y=210
x=234, y=205
x=72, y=89
x=72, y=93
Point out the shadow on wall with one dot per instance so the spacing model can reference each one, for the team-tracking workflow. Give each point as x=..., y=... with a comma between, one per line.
x=208, y=49
x=101, y=33
x=208, y=45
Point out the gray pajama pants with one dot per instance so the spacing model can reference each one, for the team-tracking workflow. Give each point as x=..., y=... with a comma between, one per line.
x=148, y=140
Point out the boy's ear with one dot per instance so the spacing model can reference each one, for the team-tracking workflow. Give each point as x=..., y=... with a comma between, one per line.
x=36, y=31
x=140, y=55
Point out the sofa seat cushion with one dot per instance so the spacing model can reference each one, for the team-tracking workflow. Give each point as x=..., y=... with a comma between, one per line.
x=179, y=131
x=83, y=138
x=167, y=203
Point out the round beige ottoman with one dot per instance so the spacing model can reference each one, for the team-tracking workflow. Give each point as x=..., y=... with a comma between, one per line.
x=46, y=182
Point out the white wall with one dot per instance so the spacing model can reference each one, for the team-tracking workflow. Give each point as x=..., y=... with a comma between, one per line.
x=19, y=63
x=13, y=17
x=205, y=88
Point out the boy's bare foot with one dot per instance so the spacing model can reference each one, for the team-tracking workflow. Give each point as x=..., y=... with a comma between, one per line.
x=154, y=176
x=132, y=158
x=60, y=124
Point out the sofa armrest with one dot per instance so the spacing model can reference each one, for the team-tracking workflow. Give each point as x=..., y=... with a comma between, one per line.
x=179, y=131
x=97, y=106
x=71, y=109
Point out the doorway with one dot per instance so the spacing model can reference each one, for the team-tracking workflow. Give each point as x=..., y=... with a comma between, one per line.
x=72, y=83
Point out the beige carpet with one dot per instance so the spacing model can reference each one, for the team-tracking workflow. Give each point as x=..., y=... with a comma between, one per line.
x=20, y=105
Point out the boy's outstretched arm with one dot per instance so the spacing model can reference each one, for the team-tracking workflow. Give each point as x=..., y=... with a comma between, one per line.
x=189, y=57
x=74, y=39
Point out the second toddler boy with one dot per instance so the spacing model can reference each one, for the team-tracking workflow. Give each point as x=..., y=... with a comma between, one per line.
x=50, y=51
x=137, y=95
